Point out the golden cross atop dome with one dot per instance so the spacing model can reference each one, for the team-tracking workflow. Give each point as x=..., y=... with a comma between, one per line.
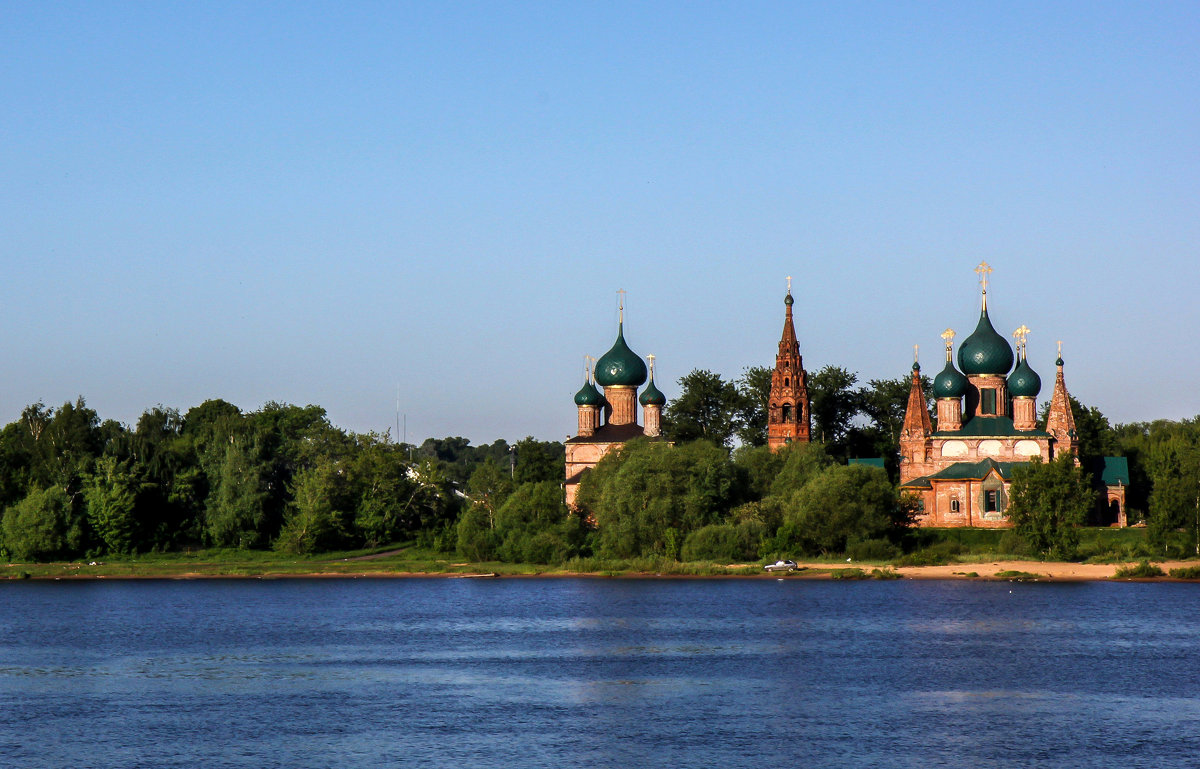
x=1021, y=334
x=587, y=365
x=948, y=335
x=1060, y=348
x=983, y=270
x=621, y=305
x=650, y=358
x=789, y=277
x=916, y=353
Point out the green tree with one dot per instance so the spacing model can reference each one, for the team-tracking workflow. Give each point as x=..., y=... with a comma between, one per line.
x=44, y=526
x=754, y=394
x=647, y=497
x=533, y=525
x=111, y=493
x=236, y=512
x=386, y=492
x=538, y=461
x=317, y=517
x=1048, y=503
x=1173, y=462
x=707, y=408
x=801, y=462
x=835, y=404
x=841, y=505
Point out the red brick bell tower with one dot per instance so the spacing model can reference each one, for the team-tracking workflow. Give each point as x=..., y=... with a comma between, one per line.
x=788, y=417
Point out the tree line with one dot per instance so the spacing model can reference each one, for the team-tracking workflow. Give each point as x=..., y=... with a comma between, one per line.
x=283, y=477
x=280, y=477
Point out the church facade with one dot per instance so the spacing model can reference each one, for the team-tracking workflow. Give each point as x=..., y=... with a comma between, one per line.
x=608, y=417
x=986, y=423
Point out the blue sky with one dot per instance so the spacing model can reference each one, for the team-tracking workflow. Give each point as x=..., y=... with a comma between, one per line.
x=329, y=203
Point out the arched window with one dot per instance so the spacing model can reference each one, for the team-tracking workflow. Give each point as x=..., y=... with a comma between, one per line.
x=787, y=412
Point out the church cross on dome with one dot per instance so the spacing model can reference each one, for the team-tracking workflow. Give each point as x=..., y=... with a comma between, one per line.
x=983, y=271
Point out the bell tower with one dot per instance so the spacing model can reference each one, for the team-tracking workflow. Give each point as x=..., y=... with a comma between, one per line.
x=788, y=417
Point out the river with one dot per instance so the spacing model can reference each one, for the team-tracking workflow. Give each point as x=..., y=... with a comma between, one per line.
x=598, y=673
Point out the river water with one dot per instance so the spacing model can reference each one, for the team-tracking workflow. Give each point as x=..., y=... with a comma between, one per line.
x=598, y=673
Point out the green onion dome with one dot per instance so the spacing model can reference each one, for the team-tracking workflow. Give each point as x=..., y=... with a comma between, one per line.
x=620, y=366
x=985, y=351
x=1024, y=381
x=949, y=383
x=652, y=396
x=588, y=395
x=788, y=300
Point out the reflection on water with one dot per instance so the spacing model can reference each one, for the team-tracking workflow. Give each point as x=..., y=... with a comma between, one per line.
x=600, y=673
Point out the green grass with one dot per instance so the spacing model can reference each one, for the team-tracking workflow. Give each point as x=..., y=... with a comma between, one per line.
x=1018, y=576
x=1186, y=572
x=1143, y=570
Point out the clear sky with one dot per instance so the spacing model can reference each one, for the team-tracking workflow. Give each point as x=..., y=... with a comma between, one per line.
x=331, y=202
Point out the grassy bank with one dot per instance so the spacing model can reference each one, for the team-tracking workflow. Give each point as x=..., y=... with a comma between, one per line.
x=927, y=548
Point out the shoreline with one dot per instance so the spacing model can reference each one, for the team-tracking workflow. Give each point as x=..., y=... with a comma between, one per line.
x=1021, y=570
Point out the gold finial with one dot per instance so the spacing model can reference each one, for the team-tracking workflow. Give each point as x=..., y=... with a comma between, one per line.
x=650, y=358
x=1021, y=335
x=983, y=271
x=588, y=362
x=621, y=305
x=916, y=353
x=1060, y=348
x=789, y=277
x=948, y=336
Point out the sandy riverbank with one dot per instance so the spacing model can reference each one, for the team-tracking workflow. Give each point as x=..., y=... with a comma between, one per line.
x=1044, y=571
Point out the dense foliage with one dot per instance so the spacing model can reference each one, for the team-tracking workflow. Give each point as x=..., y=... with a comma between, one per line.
x=1049, y=502
x=281, y=477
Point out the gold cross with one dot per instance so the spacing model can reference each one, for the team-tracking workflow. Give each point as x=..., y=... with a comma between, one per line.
x=1060, y=348
x=587, y=364
x=948, y=335
x=650, y=358
x=916, y=349
x=983, y=270
x=1020, y=335
x=621, y=305
x=789, y=284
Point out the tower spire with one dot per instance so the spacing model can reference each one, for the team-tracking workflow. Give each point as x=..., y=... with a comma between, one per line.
x=788, y=417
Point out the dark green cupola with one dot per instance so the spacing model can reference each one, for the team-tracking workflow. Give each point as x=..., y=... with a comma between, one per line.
x=620, y=366
x=949, y=383
x=985, y=351
x=1024, y=381
x=652, y=396
x=588, y=395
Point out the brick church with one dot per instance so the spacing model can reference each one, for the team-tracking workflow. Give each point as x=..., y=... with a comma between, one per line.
x=986, y=423
x=608, y=418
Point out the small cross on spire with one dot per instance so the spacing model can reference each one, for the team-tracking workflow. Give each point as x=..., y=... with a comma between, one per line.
x=650, y=358
x=789, y=279
x=621, y=305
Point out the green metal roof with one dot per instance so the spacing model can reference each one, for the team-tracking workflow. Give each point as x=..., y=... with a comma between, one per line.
x=990, y=427
x=1114, y=471
x=963, y=471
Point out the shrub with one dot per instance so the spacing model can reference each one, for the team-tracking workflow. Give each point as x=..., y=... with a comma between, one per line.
x=848, y=574
x=872, y=550
x=723, y=543
x=1186, y=572
x=884, y=574
x=938, y=554
x=1143, y=570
